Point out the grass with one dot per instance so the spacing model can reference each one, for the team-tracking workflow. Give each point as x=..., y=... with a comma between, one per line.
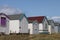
x=14, y=37
x=46, y=37
x=31, y=37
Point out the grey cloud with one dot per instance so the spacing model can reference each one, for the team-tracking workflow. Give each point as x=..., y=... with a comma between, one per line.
x=9, y=10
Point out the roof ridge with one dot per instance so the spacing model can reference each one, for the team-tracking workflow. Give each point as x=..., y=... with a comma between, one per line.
x=15, y=14
x=37, y=16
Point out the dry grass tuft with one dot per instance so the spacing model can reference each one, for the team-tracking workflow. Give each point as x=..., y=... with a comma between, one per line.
x=31, y=37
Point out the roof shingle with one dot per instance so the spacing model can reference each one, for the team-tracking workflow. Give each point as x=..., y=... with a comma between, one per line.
x=38, y=18
x=15, y=16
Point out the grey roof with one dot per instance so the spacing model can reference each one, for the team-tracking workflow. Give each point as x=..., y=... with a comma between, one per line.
x=56, y=23
x=15, y=16
x=4, y=15
x=50, y=21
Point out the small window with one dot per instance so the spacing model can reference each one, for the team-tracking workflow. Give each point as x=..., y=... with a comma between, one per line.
x=19, y=27
x=52, y=27
x=35, y=29
x=45, y=25
x=35, y=23
x=28, y=30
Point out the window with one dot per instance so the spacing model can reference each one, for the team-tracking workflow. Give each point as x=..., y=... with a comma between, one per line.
x=3, y=21
x=35, y=29
x=19, y=27
x=46, y=26
x=28, y=30
x=53, y=27
x=35, y=23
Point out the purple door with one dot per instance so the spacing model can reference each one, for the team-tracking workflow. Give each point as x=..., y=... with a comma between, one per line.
x=3, y=21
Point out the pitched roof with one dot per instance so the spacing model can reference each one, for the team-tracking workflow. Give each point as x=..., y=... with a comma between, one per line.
x=57, y=23
x=15, y=16
x=50, y=21
x=38, y=18
x=4, y=15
